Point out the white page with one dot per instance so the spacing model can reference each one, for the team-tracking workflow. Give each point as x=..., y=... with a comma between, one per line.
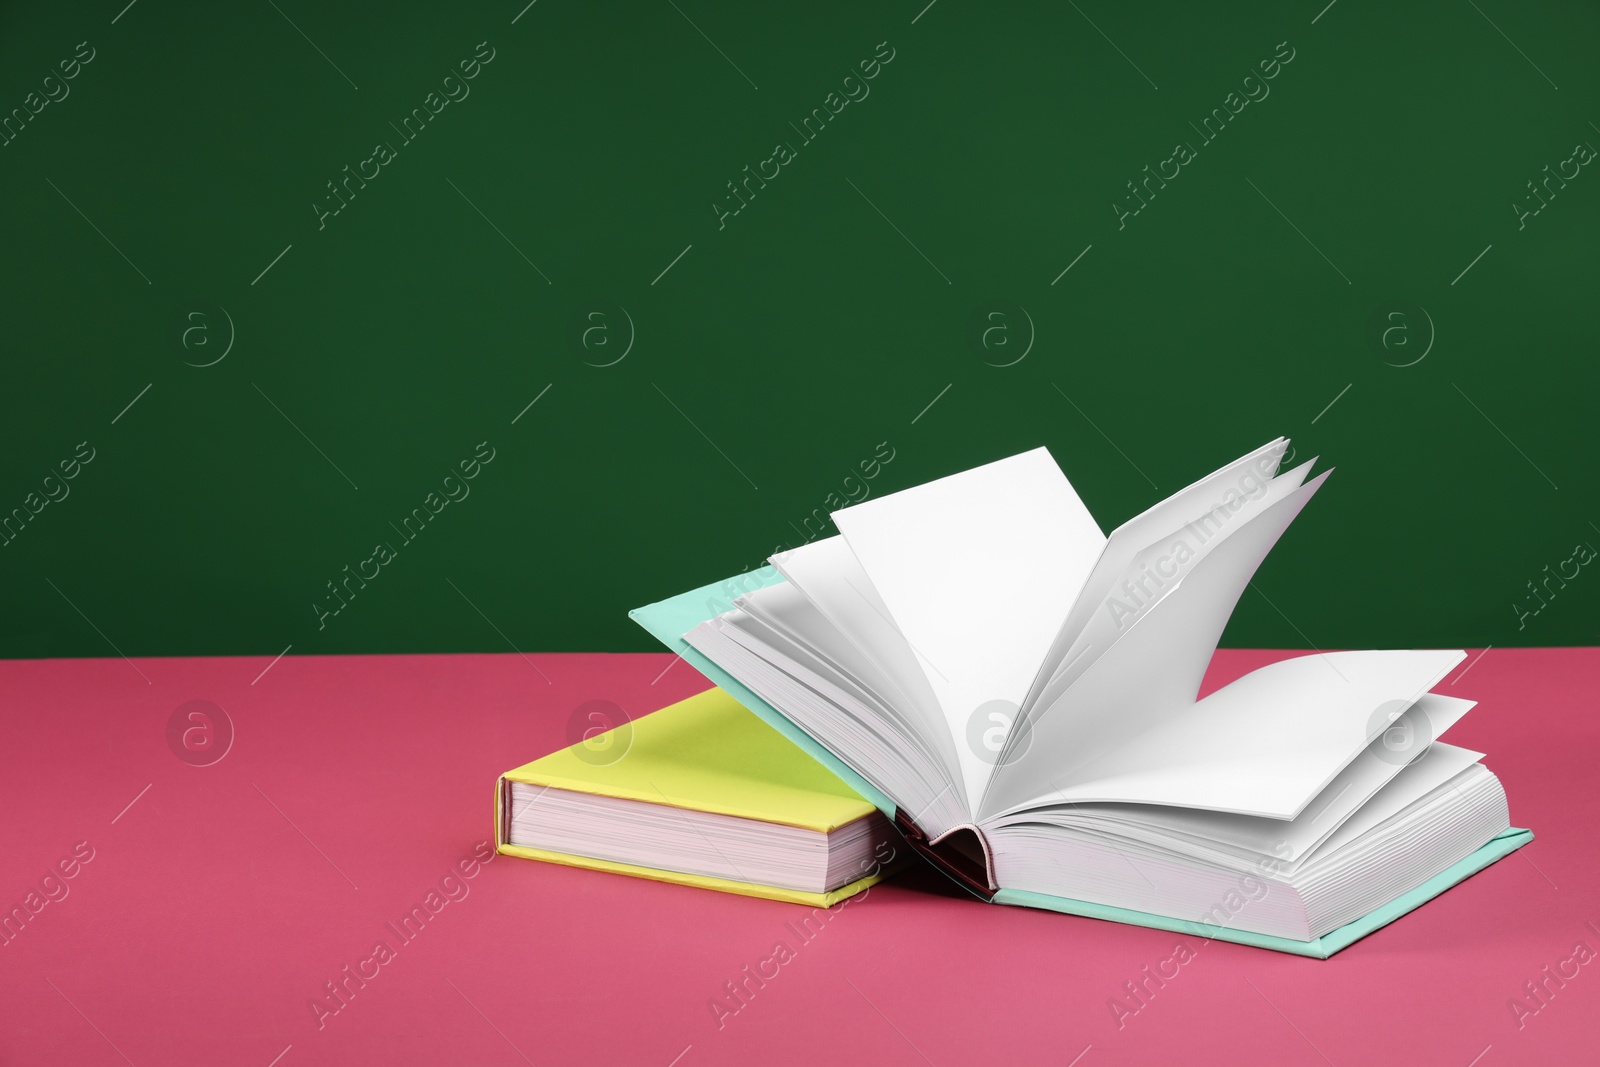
x=1264, y=745
x=1267, y=744
x=864, y=745
x=1440, y=764
x=1151, y=672
x=828, y=575
x=1156, y=568
x=1377, y=768
x=861, y=718
x=978, y=571
x=1246, y=477
x=782, y=610
x=1369, y=790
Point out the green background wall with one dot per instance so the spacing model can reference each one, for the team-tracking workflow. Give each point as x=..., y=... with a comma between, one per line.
x=785, y=343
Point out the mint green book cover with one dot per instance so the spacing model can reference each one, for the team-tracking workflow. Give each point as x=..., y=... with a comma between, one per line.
x=670, y=619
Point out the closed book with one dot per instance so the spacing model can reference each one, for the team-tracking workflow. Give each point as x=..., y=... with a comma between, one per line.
x=700, y=793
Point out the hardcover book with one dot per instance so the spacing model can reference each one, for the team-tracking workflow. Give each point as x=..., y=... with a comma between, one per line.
x=1019, y=693
x=700, y=793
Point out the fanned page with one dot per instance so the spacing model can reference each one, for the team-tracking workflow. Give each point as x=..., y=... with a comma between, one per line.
x=1264, y=746
x=827, y=574
x=1367, y=792
x=977, y=572
x=1126, y=731
x=1147, y=562
x=1243, y=480
x=862, y=737
x=1151, y=658
x=779, y=627
x=943, y=602
x=830, y=578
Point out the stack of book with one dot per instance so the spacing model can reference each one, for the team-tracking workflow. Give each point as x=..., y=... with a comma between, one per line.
x=1017, y=694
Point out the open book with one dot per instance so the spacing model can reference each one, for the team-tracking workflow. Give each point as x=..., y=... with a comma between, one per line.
x=1017, y=690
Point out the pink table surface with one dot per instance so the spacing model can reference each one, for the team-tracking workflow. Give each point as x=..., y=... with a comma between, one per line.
x=220, y=900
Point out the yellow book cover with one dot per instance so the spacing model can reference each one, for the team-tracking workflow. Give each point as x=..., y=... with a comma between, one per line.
x=708, y=754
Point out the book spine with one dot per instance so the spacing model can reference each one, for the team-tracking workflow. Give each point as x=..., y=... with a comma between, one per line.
x=502, y=805
x=977, y=877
